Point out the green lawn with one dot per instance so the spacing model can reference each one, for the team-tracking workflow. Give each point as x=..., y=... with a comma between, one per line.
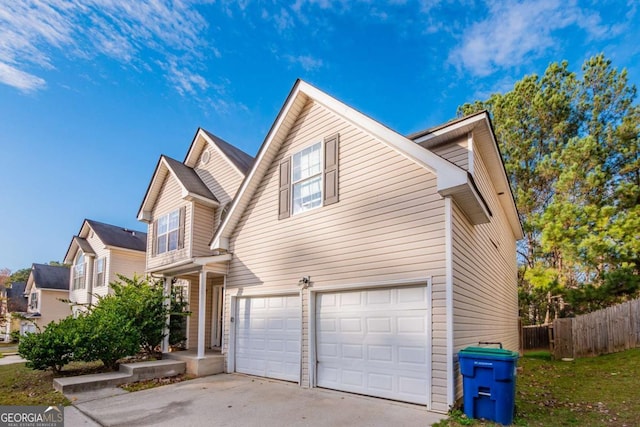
x=598, y=391
x=20, y=385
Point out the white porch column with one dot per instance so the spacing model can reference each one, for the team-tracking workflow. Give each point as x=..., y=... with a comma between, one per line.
x=166, y=291
x=202, y=298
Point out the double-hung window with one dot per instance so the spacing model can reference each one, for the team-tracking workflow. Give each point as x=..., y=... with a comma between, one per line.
x=78, y=272
x=34, y=300
x=168, y=232
x=307, y=178
x=100, y=267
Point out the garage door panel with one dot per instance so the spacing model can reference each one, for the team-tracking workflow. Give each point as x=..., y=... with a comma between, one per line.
x=268, y=337
x=374, y=342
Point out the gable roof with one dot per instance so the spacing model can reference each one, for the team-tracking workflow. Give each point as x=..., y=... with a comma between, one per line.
x=109, y=235
x=189, y=181
x=45, y=276
x=119, y=237
x=451, y=180
x=480, y=124
x=16, y=301
x=239, y=158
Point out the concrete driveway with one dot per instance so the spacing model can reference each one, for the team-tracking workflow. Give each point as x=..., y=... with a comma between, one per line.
x=238, y=400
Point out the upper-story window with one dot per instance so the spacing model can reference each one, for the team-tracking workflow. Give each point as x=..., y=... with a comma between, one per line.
x=309, y=178
x=78, y=272
x=99, y=268
x=33, y=304
x=168, y=232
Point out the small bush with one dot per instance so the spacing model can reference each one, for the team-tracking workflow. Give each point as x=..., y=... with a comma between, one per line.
x=50, y=349
x=15, y=336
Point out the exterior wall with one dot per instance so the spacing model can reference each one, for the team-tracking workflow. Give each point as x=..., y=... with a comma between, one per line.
x=457, y=152
x=387, y=226
x=82, y=296
x=204, y=218
x=49, y=306
x=124, y=262
x=169, y=200
x=219, y=175
x=485, y=297
x=194, y=290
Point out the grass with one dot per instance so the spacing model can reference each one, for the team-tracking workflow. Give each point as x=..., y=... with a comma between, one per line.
x=598, y=391
x=20, y=385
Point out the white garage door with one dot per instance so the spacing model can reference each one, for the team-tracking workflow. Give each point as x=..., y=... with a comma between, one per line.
x=374, y=342
x=268, y=337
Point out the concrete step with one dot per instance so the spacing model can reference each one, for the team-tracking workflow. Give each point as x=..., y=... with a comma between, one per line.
x=129, y=373
x=154, y=369
x=90, y=382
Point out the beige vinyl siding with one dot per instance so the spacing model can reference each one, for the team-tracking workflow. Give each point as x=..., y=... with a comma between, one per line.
x=485, y=297
x=194, y=288
x=51, y=308
x=388, y=225
x=219, y=175
x=126, y=263
x=169, y=200
x=202, y=232
x=456, y=151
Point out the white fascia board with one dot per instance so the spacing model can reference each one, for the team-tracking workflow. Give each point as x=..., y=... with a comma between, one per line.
x=190, y=197
x=221, y=238
x=447, y=173
x=212, y=259
x=466, y=124
x=144, y=214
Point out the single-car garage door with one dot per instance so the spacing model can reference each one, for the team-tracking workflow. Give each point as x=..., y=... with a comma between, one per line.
x=268, y=337
x=374, y=342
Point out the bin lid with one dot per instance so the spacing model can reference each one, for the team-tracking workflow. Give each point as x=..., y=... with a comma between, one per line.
x=488, y=352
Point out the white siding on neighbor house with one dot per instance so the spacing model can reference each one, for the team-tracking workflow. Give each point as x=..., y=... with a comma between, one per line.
x=82, y=296
x=202, y=232
x=485, y=298
x=456, y=151
x=387, y=226
x=170, y=199
x=218, y=175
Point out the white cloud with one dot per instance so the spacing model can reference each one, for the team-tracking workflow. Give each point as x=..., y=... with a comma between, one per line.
x=516, y=31
x=31, y=31
x=307, y=62
x=19, y=79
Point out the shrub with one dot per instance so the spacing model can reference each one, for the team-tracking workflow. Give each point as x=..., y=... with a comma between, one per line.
x=50, y=349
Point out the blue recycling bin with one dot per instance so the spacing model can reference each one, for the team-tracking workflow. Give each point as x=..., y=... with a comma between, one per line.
x=489, y=383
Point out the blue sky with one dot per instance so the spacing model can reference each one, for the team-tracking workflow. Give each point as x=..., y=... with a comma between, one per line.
x=93, y=91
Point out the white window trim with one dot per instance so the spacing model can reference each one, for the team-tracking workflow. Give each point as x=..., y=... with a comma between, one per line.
x=79, y=280
x=167, y=233
x=319, y=174
x=97, y=282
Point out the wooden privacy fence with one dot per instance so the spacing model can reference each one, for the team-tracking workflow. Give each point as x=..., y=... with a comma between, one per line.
x=604, y=331
x=535, y=337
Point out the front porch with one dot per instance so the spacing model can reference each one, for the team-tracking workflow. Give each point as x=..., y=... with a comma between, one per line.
x=211, y=364
x=203, y=288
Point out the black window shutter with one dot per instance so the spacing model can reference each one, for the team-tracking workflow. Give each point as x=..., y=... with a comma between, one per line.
x=284, y=200
x=181, y=231
x=154, y=238
x=331, y=148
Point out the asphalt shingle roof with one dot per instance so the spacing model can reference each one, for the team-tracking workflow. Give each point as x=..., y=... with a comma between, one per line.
x=50, y=276
x=189, y=178
x=16, y=302
x=112, y=235
x=242, y=160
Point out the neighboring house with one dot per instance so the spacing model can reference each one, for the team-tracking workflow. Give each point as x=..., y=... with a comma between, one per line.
x=97, y=254
x=13, y=306
x=352, y=257
x=47, y=288
x=184, y=204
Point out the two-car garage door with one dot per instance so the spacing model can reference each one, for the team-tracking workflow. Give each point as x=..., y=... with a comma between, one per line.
x=374, y=342
x=371, y=341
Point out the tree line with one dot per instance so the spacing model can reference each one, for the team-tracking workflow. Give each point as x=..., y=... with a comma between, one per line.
x=571, y=147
